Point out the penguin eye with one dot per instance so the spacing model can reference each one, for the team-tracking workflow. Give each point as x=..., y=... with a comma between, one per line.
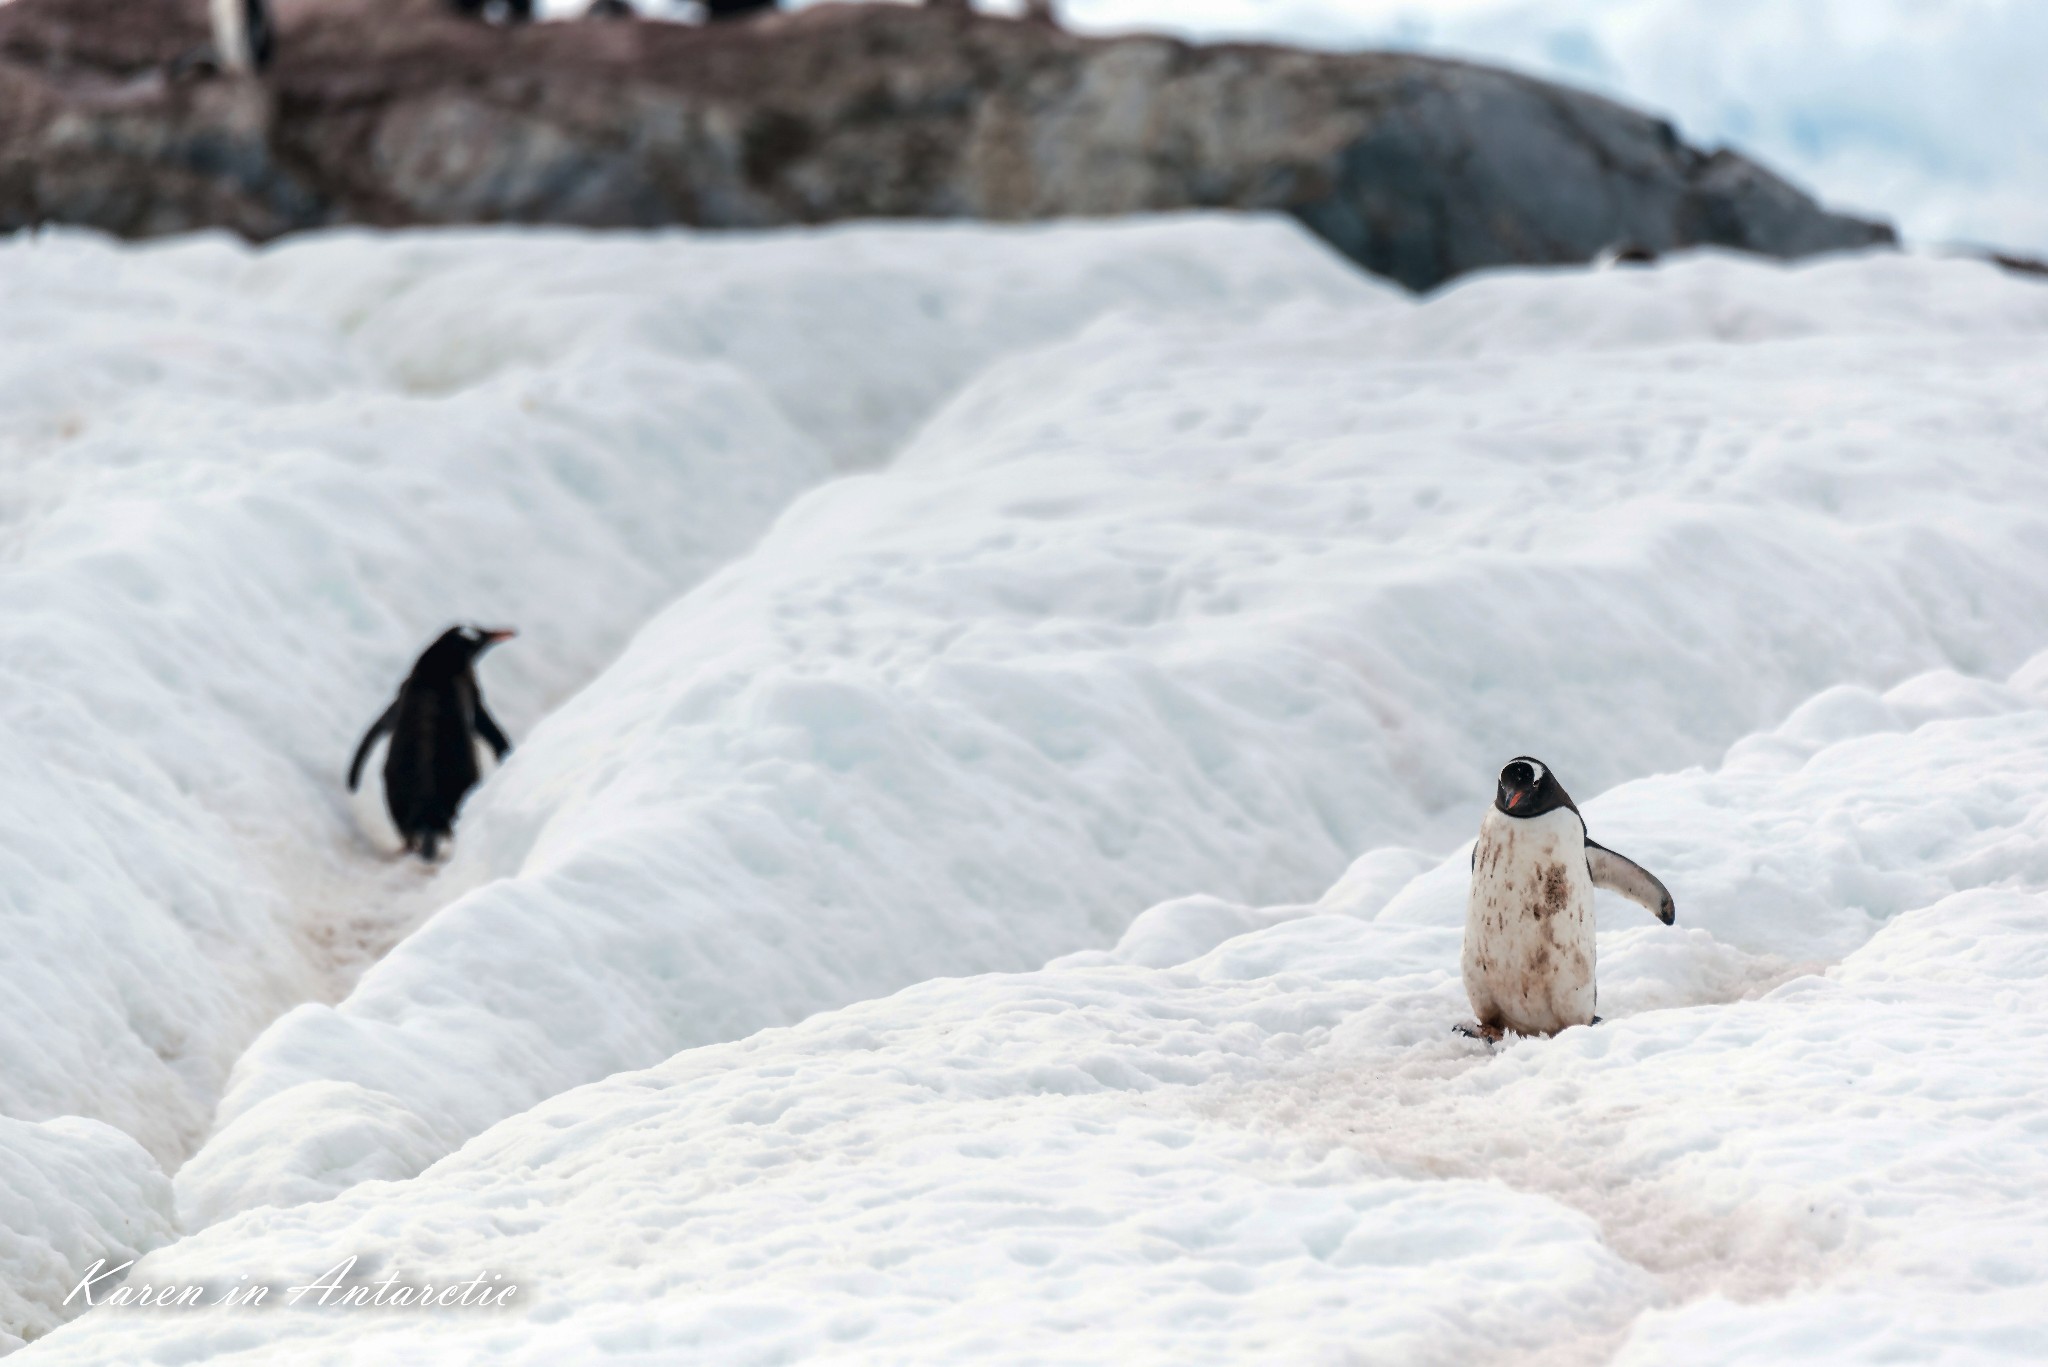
x=1535, y=773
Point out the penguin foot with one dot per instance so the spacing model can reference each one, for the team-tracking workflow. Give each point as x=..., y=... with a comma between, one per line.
x=427, y=847
x=1492, y=1034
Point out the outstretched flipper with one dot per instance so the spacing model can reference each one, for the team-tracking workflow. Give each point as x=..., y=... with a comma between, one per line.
x=377, y=728
x=1617, y=873
x=488, y=729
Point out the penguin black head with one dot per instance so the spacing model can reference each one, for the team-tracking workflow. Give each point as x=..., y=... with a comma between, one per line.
x=456, y=650
x=1528, y=789
x=481, y=639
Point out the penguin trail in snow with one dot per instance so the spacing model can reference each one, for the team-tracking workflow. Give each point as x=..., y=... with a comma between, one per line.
x=1529, y=946
x=431, y=744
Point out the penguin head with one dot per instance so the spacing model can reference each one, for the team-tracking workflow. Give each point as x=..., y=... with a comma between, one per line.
x=480, y=639
x=456, y=649
x=1528, y=789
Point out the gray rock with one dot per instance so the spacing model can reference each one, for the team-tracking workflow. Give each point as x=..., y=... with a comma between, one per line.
x=395, y=113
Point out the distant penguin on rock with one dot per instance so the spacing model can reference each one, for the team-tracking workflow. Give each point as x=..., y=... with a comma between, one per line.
x=717, y=11
x=431, y=744
x=1624, y=254
x=1529, y=946
x=495, y=11
x=244, y=36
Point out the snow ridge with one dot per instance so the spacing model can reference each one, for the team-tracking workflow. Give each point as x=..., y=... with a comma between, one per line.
x=1278, y=1150
x=1185, y=605
x=792, y=992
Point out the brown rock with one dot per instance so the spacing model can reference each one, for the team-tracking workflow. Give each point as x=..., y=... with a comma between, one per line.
x=393, y=112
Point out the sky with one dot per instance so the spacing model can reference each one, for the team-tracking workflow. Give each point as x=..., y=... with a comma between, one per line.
x=1926, y=112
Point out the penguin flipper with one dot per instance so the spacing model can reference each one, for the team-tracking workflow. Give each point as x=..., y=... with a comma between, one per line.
x=487, y=728
x=1618, y=873
x=377, y=728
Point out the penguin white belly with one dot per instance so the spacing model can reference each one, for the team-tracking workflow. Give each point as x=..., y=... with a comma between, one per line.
x=366, y=803
x=1529, y=947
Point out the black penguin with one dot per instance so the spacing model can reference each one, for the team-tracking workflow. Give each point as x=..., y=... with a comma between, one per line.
x=495, y=11
x=434, y=724
x=716, y=10
x=244, y=34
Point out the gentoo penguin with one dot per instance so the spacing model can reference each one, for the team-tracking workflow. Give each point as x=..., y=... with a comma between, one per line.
x=1624, y=254
x=495, y=11
x=243, y=36
x=437, y=726
x=1529, y=922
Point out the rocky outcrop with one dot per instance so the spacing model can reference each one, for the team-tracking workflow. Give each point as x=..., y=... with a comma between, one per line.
x=396, y=113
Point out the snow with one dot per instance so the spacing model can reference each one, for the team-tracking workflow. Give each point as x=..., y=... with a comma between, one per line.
x=1277, y=1150
x=1162, y=610
x=792, y=993
x=248, y=486
x=72, y=1192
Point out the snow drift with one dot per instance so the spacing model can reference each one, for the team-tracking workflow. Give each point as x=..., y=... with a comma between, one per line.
x=1277, y=1150
x=73, y=1193
x=247, y=486
x=253, y=484
x=1170, y=566
x=1188, y=605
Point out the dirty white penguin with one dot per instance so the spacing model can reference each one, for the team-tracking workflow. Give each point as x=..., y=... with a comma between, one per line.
x=1529, y=947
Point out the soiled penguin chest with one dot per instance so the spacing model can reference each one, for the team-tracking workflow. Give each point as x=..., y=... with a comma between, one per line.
x=1529, y=948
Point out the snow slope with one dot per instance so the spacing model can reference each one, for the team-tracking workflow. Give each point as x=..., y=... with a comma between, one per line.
x=1276, y=1150
x=72, y=1192
x=245, y=487
x=1188, y=605
x=251, y=485
x=1196, y=566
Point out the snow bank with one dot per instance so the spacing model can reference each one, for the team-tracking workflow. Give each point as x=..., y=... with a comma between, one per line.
x=1278, y=1151
x=246, y=486
x=1203, y=604
x=73, y=1192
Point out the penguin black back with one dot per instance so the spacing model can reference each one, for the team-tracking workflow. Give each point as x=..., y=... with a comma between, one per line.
x=434, y=724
